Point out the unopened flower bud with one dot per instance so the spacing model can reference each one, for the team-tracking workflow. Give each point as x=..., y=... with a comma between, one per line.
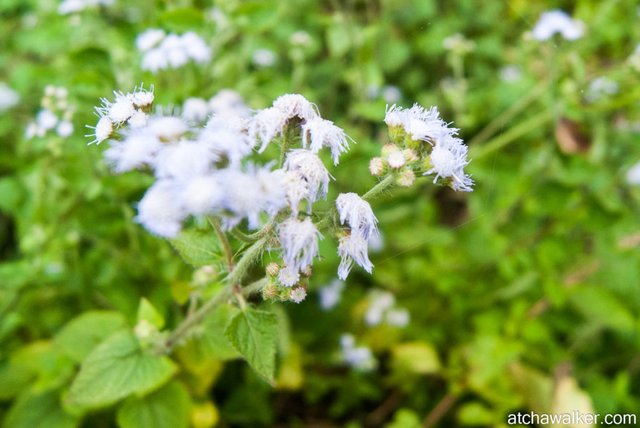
x=272, y=269
x=376, y=167
x=410, y=155
x=269, y=292
x=387, y=149
x=307, y=271
x=406, y=178
x=298, y=294
x=396, y=159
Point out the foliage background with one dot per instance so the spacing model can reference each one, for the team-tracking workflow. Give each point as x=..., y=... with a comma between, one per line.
x=523, y=294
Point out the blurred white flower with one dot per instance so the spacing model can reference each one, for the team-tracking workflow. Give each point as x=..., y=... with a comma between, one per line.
x=138, y=149
x=359, y=357
x=195, y=110
x=160, y=210
x=183, y=160
x=202, y=195
x=353, y=248
x=161, y=51
x=391, y=94
x=601, y=87
x=299, y=241
x=73, y=6
x=149, y=38
x=64, y=129
x=300, y=38
x=331, y=294
x=510, y=73
x=263, y=58
x=8, y=97
x=318, y=132
x=557, y=22
x=633, y=175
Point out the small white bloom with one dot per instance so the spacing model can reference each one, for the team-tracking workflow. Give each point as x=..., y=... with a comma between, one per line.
x=160, y=210
x=265, y=125
x=137, y=150
x=64, y=129
x=633, y=175
x=391, y=94
x=155, y=59
x=184, y=159
x=138, y=119
x=288, y=276
x=601, y=87
x=300, y=38
x=557, y=22
x=142, y=98
x=167, y=128
x=196, y=47
x=297, y=190
x=202, y=195
x=298, y=294
x=353, y=247
x=406, y=178
x=299, y=241
x=394, y=116
x=397, y=317
x=195, y=109
x=311, y=169
x=228, y=144
x=376, y=166
x=295, y=105
x=149, y=39
x=379, y=303
x=357, y=214
x=318, y=132
x=448, y=158
x=331, y=294
x=102, y=130
x=264, y=58
x=121, y=109
x=510, y=73
x=396, y=159
x=228, y=102
x=8, y=97
x=46, y=119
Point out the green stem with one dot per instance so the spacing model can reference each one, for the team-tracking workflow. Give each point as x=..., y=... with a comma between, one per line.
x=228, y=252
x=512, y=135
x=247, y=259
x=286, y=140
x=379, y=188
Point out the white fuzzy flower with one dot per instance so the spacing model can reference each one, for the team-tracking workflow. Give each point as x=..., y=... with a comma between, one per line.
x=557, y=22
x=311, y=169
x=160, y=210
x=394, y=116
x=202, y=195
x=167, y=128
x=195, y=109
x=137, y=150
x=288, y=276
x=121, y=109
x=357, y=214
x=448, y=158
x=264, y=58
x=184, y=159
x=267, y=124
x=102, y=130
x=196, y=47
x=318, y=132
x=228, y=144
x=297, y=191
x=376, y=166
x=46, y=119
x=149, y=38
x=331, y=294
x=396, y=159
x=299, y=242
x=142, y=98
x=138, y=119
x=353, y=248
x=228, y=102
x=419, y=123
x=8, y=97
x=295, y=105
x=298, y=294
x=64, y=129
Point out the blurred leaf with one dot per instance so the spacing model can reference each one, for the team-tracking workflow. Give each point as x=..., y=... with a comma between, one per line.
x=116, y=369
x=204, y=415
x=568, y=398
x=147, y=312
x=254, y=334
x=599, y=306
x=33, y=410
x=80, y=335
x=415, y=358
x=167, y=407
x=180, y=20
x=198, y=248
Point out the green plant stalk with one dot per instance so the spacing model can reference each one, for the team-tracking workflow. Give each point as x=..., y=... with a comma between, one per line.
x=228, y=252
x=286, y=140
x=379, y=188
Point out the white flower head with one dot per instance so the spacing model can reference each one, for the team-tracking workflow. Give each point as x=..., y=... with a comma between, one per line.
x=195, y=110
x=297, y=191
x=46, y=119
x=448, y=158
x=137, y=150
x=318, y=132
x=264, y=58
x=202, y=195
x=311, y=169
x=142, y=98
x=64, y=129
x=149, y=39
x=357, y=214
x=353, y=248
x=557, y=22
x=379, y=303
x=160, y=210
x=167, y=128
x=376, y=166
x=396, y=159
x=139, y=119
x=394, y=116
x=331, y=294
x=295, y=105
x=184, y=159
x=196, y=47
x=298, y=294
x=398, y=317
x=228, y=144
x=121, y=109
x=102, y=131
x=288, y=276
x=299, y=242
x=267, y=124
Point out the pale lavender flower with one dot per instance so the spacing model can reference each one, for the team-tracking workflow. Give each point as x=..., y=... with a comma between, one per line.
x=331, y=294
x=557, y=22
x=298, y=294
x=357, y=214
x=353, y=248
x=311, y=169
x=448, y=159
x=160, y=210
x=299, y=242
x=318, y=132
x=359, y=357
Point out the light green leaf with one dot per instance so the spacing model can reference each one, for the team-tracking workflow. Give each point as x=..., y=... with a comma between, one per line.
x=212, y=342
x=602, y=308
x=147, y=312
x=254, y=334
x=168, y=407
x=415, y=358
x=38, y=410
x=182, y=19
x=83, y=333
x=116, y=369
x=197, y=248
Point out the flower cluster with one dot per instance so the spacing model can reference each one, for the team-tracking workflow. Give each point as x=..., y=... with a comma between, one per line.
x=557, y=22
x=226, y=103
x=162, y=51
x=359, y=357
x=55, y=115
x=383, y=309
x=422, y=142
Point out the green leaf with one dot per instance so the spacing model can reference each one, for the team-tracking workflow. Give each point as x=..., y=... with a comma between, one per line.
x=602, y=308
x=212, y=342
x=415, y=358
x=182, y=19
x=147, y=312
x=39, y=410
x=168, y=407
x=197, y=248
x=83, y=333
x=115, y=369
x=254, y=334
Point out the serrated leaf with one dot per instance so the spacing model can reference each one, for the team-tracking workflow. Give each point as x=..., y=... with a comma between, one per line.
x=168, y=407
x=197, y=248
x=83, y=333
x=115, y=369
x=147, y=312
x=254, y=334
x=212, y=341
x=39, y=410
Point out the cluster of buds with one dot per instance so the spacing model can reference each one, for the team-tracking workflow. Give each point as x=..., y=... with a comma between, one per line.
x=275, y=290
x=55, y=115
x=422, y=143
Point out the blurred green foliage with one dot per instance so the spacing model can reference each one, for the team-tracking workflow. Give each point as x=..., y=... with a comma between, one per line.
x=527, y=284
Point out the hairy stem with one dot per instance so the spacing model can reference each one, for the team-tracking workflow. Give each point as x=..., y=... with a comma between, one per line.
x=286, y=140
x=379, y=188
x=228, y=252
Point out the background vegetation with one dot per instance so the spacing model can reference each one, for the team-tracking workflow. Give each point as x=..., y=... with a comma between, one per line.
x=523, y=295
